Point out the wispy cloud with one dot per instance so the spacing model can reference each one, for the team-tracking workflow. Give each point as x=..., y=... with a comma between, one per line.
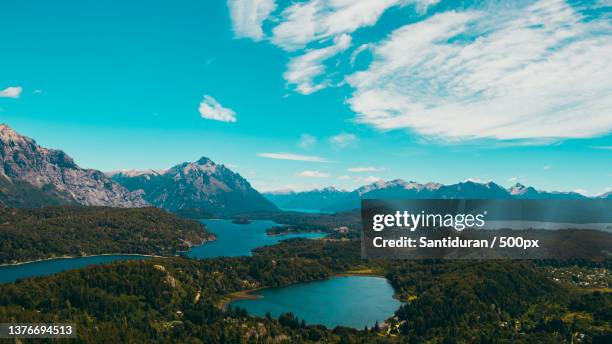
x=303, y=69
x=11, y=92
x=365, y=169
x=538, y=71
x=294, y=157
x=546, y=167
x=343, y=139
x=305, y=22
x=211, y=109
x=307, y=141
x=602, y=147
x=312, y=174
x=248, y=15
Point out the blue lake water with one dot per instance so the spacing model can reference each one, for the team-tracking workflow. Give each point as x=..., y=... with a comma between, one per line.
x=308, y=211
x=239, y=240
x=232, y=240
x=353, y=301
x=48, y=267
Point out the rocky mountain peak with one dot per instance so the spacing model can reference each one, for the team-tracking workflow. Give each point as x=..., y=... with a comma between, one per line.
x=52, y=173
x=202, y=185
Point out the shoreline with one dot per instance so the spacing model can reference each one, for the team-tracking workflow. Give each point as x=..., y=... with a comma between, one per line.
x=85, y=256
x=248, y=294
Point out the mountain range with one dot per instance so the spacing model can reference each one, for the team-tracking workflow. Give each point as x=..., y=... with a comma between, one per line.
x=333, y=200
x=201, y=185
x=314, y=199
x=33, y=176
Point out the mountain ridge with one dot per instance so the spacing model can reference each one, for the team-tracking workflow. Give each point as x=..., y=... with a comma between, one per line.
x=202, y=185
x=399, y=188
x=34, y=176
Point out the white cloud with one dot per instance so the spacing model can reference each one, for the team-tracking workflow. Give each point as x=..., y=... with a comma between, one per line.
x=11, y=92
x=303, y=69
x=343, y=140
x=546, y=167
x=307, y=140
x=248, y=15
x=361, y=179
x=512, y=179
x=603, y=147
x=294, y=157
x=312, y=174
x=356, y=53
x=211, y=109
x=530, y=73
x=365, y=169
x=372, y=179
x=305, y=22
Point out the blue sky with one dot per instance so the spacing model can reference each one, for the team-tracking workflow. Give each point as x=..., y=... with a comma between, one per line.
x=304, y=94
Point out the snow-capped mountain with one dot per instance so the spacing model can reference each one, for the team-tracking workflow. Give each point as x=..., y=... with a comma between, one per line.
x=400, y=189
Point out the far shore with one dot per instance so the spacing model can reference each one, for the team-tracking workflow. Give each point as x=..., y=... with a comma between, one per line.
x=85, y=256
x=249, y=294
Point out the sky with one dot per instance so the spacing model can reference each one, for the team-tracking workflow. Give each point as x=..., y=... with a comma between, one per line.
x=314, y=93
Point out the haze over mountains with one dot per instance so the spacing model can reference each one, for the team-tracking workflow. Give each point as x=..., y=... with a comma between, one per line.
x=313, y=199
x=332, y=200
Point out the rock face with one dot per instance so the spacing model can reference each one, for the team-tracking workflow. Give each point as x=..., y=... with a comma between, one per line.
x=202, y=185
x=528, y=192
x=33, y=176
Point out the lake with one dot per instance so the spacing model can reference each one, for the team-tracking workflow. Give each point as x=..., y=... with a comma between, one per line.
x=353, y=301
x=10, y=273
x=232, y=240
x=303, y=210
x=239, y=240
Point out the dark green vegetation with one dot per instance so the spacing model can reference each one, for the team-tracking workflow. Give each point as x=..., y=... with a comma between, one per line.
x=29, y=234
x=175, y=300
x=286, y=229
x=305, y=222
x=22, y=194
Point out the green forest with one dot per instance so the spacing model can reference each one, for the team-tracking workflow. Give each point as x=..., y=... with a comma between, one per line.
x=165, y=300
x=39, y=233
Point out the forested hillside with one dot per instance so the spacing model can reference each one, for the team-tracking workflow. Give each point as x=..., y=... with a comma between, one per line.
x=176, y=300
x=28, y=234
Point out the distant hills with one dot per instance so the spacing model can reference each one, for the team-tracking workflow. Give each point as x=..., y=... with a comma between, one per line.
x=33, y=176
x=313, y=199
x=200, y=186
x=333, y=200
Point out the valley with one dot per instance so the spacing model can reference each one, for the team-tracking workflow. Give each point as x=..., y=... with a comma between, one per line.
x=152, y=256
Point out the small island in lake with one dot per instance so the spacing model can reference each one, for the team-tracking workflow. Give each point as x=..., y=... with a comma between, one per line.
x=241, y=221
x=287, y=229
